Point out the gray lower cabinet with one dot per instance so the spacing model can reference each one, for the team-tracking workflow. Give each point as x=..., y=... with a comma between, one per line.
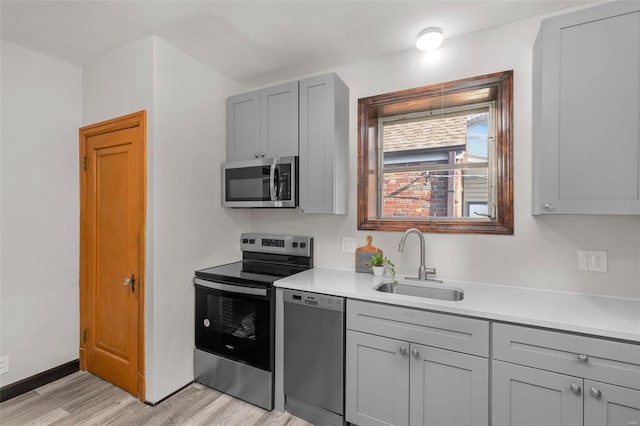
x=324, y=145
x=609, y=405
x=586, y=104
x=524, y=396
x=377, y=380
x=544, y=377
x=393, y=380
x=447, y=388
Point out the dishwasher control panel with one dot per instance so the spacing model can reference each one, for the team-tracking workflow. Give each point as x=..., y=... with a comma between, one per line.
x=314, y=300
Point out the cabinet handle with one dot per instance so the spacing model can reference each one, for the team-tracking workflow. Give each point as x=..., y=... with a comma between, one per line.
x=301, y=209
x=403, y=350
x=257, y=155
x=262, y=155
x=575, y=388
x=595, y=393
x=415, y=353
x=548, y=206
x=583, y=358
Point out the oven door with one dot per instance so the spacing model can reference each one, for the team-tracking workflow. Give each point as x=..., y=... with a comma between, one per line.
x=235, y=321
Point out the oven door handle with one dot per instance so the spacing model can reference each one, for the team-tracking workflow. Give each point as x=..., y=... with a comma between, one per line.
x=232, y=288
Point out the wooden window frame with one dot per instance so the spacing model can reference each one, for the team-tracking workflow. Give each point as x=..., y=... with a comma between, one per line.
x=496, y=87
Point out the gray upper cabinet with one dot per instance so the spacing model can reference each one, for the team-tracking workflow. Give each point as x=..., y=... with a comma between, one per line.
x=324, y=142
x=243, y=126
x=263, y=123
x=586, y=109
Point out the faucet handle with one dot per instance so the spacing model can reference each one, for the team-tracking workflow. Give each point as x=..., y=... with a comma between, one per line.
x=431, y=271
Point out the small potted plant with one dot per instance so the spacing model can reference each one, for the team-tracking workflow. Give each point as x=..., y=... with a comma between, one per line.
x=379, y=263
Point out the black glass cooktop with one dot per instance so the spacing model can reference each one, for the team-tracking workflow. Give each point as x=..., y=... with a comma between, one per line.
x=251, y=273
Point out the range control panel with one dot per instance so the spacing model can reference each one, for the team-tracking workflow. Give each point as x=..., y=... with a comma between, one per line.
x=280, y=244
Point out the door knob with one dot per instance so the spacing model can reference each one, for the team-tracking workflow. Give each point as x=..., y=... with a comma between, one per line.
x=130, y=280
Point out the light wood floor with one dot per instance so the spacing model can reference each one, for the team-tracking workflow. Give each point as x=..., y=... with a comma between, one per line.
x=84, y=399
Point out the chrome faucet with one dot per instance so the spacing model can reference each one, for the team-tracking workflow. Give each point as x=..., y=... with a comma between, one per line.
x=422, y=270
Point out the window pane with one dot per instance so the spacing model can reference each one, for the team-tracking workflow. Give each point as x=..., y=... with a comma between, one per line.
x=435, y=166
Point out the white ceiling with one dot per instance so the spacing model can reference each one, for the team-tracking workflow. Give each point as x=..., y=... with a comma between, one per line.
x=254, y=42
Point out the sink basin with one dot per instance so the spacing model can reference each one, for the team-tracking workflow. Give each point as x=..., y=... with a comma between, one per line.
x=422, y=290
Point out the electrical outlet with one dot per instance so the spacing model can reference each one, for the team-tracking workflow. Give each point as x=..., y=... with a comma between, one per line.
x=348, y=244
x=592, y=260
x=4, y=364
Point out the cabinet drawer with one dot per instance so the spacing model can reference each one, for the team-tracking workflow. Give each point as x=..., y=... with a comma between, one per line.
x=426, y=328
x=610, y=362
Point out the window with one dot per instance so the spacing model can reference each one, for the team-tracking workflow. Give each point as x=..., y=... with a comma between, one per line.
x=438, y=158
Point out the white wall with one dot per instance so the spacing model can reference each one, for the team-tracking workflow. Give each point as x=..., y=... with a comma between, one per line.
x=117, y=84
x=191, y=229
x=41, y=111
x=543, y=251
x=187, y=228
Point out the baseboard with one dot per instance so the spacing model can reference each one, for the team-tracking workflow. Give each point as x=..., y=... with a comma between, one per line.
x=40, y=379
x=153, y=404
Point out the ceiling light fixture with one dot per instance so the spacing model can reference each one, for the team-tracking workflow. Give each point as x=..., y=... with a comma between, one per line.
x=429, y=39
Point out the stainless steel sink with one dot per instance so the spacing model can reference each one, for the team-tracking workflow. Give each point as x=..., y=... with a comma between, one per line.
x=422, y=290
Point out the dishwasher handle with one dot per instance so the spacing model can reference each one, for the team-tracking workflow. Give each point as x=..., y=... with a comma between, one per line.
x=314, y=300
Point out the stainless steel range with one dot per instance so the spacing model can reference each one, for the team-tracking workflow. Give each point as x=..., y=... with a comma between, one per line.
x=235, y=315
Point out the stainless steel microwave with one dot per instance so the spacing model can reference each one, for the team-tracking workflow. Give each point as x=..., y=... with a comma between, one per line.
x=266, y=182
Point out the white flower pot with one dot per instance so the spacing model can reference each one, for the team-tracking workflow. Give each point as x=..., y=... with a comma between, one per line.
x=378, y=270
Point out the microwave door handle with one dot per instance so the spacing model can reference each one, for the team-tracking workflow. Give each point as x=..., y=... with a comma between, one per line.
x=276, y=182
x=272, y=185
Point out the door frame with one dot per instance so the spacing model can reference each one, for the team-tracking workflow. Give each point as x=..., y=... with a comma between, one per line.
x=136, y=119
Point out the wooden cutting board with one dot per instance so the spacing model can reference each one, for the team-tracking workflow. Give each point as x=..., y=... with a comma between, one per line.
x=363, y=255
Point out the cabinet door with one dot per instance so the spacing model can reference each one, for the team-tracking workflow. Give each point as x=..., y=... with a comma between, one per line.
x=279, y=120
x=524, y=396
x=324, y=141
x=243, y=126
x=377, y=380
x=608, y=405
x=448, y=388
x=586, y=93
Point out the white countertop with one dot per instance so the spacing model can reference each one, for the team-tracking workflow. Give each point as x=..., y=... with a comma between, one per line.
x=612, y=317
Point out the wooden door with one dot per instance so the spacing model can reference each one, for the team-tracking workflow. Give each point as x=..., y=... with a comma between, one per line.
x=524, y=396
x=112, y=250
x=448, y=388
x=376, y=380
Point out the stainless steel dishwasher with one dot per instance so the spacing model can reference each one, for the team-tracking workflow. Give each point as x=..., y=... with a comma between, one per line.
x=314, y=357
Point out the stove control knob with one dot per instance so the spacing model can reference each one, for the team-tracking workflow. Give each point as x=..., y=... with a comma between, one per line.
x=252, y=241
x=303, y=245
x=294, y=244
x=245, y=240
